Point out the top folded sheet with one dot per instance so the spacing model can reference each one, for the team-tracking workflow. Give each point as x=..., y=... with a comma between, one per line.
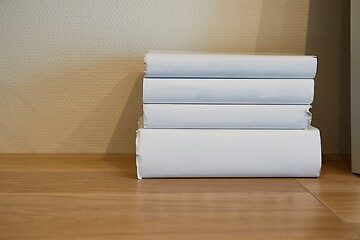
x=206, y=65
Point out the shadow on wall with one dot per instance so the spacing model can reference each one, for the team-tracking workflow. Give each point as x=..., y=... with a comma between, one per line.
x=328, y=37
x=123, y=137
x=91, y=106
x=111, y=124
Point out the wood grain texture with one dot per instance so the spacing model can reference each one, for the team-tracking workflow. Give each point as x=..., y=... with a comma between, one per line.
x=98, y=197
x=338, y=189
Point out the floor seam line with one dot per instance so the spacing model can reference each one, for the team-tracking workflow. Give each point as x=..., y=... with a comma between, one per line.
x=325, y=205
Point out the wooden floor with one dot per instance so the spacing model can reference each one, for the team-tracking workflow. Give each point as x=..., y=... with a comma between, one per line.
x=99, y=197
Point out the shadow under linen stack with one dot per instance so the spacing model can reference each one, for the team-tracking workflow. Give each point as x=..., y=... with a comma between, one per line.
x=219, y=115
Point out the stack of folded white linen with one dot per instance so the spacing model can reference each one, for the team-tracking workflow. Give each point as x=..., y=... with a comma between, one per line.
x=227, y=115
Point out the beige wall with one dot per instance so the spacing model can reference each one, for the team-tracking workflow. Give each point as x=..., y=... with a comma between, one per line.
x=355, y=85
x=70, y=73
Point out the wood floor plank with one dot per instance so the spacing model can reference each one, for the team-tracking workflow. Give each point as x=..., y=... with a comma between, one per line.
x=67, y=162
x=335, y=176
x=99, y=197
x=249, y=215
x=338, y=188
x=355, y=227
x=344, y=204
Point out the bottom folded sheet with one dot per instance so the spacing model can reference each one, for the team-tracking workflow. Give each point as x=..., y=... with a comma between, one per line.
x=169, y=153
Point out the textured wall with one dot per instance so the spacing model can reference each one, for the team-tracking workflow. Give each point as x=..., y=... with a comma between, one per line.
x=70, y=72
x=355, y=85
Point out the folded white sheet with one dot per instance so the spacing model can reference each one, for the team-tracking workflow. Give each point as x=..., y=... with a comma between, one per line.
x=227, y=116
x=168, y=153
x=228, y=91
x=185, y=64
